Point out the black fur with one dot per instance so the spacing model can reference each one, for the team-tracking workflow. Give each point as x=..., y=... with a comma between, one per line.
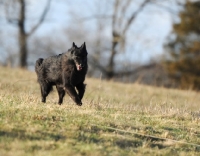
x=66, y=71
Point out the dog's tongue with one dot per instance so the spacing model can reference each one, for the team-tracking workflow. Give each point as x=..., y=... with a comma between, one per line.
x=79, y=67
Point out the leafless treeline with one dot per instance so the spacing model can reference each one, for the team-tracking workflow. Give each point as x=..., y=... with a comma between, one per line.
x=112, y=21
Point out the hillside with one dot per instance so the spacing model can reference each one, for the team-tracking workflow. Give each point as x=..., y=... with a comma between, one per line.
x=115, y=119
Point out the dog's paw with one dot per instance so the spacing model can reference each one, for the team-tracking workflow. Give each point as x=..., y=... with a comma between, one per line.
x=79, y=104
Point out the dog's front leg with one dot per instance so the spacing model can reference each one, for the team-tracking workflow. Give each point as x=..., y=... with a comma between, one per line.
x=69, y=88
x=81, y=89
x=72, y=93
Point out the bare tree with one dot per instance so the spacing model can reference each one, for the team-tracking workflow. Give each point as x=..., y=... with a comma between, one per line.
x=120, y=28
x=121, y=18
x=18, y=9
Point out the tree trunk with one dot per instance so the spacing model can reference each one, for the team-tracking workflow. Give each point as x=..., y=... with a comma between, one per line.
x=22, y=36
x=23, y=49
x=110, y=68
x=111, y=64
x=119, y=35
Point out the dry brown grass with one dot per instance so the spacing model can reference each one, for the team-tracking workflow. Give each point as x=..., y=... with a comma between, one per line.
x=115, y=119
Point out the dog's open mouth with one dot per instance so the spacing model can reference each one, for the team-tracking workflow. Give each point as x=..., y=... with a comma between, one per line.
x=79, y=67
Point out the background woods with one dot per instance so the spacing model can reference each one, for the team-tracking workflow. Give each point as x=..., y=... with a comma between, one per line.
x=125, y=38
x=184, y=48
x=15, y=12
x=120, y=25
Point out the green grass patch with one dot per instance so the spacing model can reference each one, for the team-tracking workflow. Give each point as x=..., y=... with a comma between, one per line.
x=115, y=119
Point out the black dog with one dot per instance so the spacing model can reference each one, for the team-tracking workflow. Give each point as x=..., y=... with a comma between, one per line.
x=66, y=71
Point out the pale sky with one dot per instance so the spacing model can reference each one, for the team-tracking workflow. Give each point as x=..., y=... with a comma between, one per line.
x=144, y=40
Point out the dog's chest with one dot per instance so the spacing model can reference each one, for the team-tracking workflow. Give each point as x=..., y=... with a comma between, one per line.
x=77, y=77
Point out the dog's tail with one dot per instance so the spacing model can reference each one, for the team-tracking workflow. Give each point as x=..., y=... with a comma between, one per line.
x=38, y=64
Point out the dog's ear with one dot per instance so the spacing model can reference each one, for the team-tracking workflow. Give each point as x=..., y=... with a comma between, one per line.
x=83, y=46
x=74, y=45
x=71, y=50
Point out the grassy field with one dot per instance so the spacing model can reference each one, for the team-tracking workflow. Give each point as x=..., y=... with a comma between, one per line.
x=115, y=119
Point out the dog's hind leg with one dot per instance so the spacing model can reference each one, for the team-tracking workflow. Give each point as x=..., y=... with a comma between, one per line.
x=61, y=94
x=45, y=90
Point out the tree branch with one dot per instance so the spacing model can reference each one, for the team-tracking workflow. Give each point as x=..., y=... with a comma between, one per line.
x=123, y=11
x=13, y=21
x=41, y=18
x=134, y=15
x=136, y=70
x=168, y=8
x=114, y=18
x=94, y=17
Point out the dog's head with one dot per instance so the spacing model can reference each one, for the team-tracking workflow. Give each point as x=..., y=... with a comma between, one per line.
x=79, y=56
